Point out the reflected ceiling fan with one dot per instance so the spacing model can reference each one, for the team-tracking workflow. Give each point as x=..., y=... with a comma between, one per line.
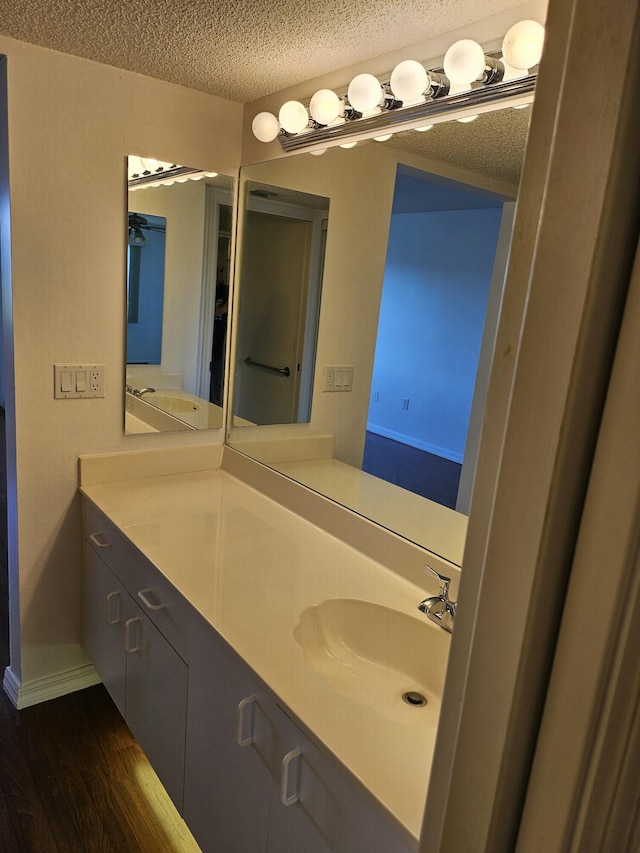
x=137, y=225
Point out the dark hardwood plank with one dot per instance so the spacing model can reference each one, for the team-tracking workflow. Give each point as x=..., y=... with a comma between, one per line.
x=416, y=470
x=73, y=779
x=97, y=790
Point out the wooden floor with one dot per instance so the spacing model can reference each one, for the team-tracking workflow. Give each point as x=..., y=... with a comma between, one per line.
x=416, y=470
x=72, y=777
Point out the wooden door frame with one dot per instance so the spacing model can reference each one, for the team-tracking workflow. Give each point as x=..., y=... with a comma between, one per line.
x=574, y=242
x=215, y=198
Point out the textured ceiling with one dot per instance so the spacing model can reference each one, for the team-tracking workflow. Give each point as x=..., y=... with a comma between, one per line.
x=239, y=49
x=492, y=145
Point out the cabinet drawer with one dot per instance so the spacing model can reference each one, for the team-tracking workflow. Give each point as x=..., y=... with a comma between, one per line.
x=157, y=597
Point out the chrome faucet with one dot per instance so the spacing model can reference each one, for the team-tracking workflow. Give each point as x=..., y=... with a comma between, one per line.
x=140, y=391
x=439, y=608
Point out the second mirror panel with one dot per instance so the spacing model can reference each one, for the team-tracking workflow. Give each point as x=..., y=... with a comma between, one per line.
x=413, y=271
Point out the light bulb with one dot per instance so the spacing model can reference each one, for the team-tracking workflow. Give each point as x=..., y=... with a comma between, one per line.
x=324, y=106
x=383, y=138
x=265, y=127
x=348, y=145
x=318, y=152
x=293, y=116
x=467, y=119
x=522, y=45
x=409, y=81
x=464, y=62
x=365, y=93
x=422, y=129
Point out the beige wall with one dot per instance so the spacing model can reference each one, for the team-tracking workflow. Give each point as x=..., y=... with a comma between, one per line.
x=71, y=124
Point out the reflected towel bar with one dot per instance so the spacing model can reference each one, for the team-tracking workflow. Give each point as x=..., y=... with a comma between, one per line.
x=281, y=371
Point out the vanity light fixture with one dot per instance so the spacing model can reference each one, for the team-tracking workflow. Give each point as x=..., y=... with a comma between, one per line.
x=470, y=82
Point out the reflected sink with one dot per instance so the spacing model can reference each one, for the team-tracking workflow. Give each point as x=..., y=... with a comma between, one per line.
x=173, y=405
x=374, y=655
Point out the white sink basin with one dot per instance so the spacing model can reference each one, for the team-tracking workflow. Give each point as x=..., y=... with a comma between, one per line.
x=173, y=405
x=375, y=655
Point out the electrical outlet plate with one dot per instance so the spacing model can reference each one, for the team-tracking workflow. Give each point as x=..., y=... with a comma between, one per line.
x=71, y=381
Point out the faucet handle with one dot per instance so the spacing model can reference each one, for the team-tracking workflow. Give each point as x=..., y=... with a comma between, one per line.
x=444, y=583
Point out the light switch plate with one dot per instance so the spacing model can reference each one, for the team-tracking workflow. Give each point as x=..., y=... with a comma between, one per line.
x=338, y=377
x=71, y=381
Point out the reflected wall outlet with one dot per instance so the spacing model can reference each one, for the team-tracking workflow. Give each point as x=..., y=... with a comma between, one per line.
x=71, y=381
x=338, y=377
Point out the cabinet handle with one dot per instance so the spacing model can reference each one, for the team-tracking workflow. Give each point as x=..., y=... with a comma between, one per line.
x=244, y=730
x=110, y=598
x=142, y=595
x=290, y=778
x=129, y=649
x=100, y=540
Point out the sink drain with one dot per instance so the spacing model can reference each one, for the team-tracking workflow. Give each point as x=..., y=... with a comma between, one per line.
x=415, y=699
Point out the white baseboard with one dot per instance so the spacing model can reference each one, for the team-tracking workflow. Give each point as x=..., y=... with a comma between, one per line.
x=452, y=455
x=53, y=686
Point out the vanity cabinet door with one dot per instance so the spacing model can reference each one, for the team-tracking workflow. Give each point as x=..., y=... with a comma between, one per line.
x=156, y=700
x=227, y=786
x=103, y=615
x=145, y=676
x=328, y=812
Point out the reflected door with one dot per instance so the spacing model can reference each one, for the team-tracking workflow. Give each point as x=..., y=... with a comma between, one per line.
x=274, y=287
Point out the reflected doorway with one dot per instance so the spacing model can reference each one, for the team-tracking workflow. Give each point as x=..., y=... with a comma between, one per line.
x=442, y=265
x=280, y=285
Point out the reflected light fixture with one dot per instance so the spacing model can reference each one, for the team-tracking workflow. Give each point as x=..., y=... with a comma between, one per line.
x=471, y=81
x=166, y=174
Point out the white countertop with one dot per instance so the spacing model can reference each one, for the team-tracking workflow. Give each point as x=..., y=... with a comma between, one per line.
x=415, y=518
x=251, y=567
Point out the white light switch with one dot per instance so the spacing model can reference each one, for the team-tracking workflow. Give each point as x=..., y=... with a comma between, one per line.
x=81, y=381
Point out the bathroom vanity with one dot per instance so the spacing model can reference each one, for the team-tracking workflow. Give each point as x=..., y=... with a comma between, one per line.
x=259, y=661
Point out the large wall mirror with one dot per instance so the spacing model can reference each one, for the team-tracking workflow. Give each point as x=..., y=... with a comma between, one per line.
x=178, y=267
x=413, y=259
